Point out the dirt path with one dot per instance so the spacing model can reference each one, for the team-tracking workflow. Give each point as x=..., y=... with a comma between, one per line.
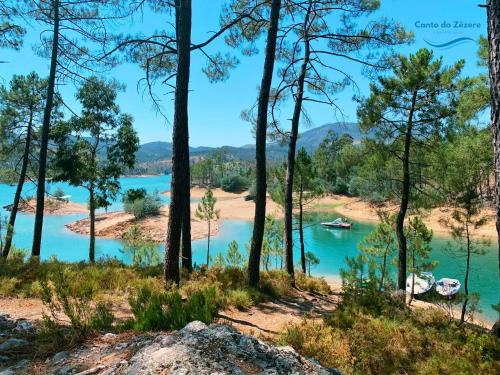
x=265, y=319
x=271, y=317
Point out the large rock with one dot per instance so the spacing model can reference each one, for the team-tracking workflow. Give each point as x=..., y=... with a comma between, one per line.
x=217, y=349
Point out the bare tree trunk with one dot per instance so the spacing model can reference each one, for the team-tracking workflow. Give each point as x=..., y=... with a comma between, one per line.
x=44, y=143
x=180, y=140
x=92, y=225
x=260, y=148
x=301, y=233
x=405, y=198
x=208, y=245
x=17, y=197
x=466, y=280
x=384, y=267
x=493, y=7
x=412, y=294
x=292, y=145
x=187, y=257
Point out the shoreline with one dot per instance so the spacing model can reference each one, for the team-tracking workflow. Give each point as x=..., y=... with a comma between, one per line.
x=231, y=207
x=335, y=283
x=52, y=207
x=356, y=209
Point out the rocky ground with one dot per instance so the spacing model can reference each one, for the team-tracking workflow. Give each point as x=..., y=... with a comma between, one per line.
x=195, y=349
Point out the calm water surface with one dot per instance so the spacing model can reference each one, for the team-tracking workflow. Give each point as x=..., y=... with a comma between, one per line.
x=330, y=245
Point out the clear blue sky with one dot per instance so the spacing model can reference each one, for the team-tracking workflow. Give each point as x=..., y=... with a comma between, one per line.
x=215, y=109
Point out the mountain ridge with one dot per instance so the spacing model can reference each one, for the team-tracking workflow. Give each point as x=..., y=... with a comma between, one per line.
x=310, y=139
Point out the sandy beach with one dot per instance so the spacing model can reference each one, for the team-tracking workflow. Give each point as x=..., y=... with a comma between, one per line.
x=359, y=210
x=52, y=207
x=231, y=206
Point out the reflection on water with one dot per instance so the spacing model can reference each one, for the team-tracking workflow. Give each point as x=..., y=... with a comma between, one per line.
x=330, y=245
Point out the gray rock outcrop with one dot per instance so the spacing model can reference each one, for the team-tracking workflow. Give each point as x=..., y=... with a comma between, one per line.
x=218, y=349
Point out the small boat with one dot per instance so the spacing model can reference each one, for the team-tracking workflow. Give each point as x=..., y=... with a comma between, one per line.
x=448, y=287
x=338, y=223
x=423, y=282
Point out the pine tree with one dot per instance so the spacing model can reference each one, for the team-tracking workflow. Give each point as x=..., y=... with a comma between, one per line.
x=206, y=211
x=96, y=162
x=405, y=110
x=21, y=112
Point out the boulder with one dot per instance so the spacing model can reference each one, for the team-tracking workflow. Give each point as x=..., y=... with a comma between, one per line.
x=218, y=349
x=12, y=343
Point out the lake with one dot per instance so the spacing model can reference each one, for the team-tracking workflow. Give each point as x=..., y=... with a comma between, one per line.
x=330, y=245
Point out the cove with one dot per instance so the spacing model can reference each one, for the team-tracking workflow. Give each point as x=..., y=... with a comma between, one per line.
x=330, y=245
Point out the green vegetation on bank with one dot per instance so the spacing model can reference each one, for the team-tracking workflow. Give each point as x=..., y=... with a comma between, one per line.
x=372, y=332
x=81, y=297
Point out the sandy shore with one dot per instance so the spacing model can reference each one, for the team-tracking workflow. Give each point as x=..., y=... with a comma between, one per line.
x=52, y=207
x=435, y=219
x=234, y=207
x=231, y=206
x=116, y=224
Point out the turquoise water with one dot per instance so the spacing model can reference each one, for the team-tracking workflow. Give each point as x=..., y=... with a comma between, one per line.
x=330, y=245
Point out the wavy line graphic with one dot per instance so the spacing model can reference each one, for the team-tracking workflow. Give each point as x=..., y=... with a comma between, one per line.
x=451, y=43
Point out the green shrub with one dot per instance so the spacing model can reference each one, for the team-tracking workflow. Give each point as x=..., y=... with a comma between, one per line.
x=312, y=284
x=102, y=317
x=9, y=286
x=59, y=193
x=141, y=247
x=63, y=294
x=234, y=184
x=132, y=195
x=372, y=333
x=166, y=310
x=148, y=206
x=242, y=298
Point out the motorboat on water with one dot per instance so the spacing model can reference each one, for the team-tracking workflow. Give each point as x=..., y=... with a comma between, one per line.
x=423, y=282
x=337, y=223
x=448, y=287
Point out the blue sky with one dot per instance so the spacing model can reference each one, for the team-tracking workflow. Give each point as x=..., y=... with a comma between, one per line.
x=215, y=109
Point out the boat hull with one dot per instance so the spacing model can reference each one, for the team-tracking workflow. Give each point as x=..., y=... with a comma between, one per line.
x=423, y=284
x=448, y=287
x=338, y=226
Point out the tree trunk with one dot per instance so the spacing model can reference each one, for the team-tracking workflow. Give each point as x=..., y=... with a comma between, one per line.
x=301, y=232
x=208, y=245
x=412, y=294
x=92, y=225
x=44, y=143
x=292, y=145
x=384, y=266
x=493, y=8
x=17, y=197
x=187, y=256
x=260, y=148
x=405, y=198
x=180, y=140
x=466, y=279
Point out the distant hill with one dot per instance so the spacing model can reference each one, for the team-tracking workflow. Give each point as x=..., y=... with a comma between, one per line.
x=154, y=151
x=310, y=140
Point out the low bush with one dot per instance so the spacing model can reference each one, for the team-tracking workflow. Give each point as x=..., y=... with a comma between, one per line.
x=144, y=207
x=235, y=184
x=312, y=284
x=132, y=195
x=242, y=298
x=67, y=299
x=373, y=333
x=167, y=310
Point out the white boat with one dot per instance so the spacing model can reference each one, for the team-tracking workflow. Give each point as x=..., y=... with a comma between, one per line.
x=447, y=287
x=337, y=223
x=423, y=282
